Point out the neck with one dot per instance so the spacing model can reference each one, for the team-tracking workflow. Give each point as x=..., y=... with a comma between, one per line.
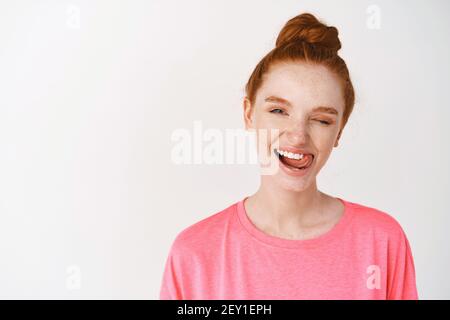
x=287, y=212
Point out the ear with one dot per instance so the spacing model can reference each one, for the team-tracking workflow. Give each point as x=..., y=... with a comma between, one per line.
x=338, y=137
x=248, y=113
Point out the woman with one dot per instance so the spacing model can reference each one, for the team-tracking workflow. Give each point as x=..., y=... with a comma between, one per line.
x=289, y=240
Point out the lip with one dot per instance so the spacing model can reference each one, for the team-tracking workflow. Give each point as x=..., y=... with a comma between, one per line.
x=294, y=172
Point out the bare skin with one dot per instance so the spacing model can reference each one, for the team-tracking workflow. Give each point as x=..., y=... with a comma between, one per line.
x=288, y=206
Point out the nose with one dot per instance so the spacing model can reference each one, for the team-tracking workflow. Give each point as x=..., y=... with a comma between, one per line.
x=297, y=133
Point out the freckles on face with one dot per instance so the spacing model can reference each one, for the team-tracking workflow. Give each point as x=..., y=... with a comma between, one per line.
x=295, y=98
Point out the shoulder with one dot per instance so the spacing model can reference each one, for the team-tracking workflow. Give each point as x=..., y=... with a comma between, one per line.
x=376, y=221
x=203, y=233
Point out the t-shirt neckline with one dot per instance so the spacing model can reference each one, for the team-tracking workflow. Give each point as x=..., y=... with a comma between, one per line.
x=331, y=235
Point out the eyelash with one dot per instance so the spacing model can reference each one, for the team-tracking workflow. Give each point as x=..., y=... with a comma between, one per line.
x=321, y=121
x=272, y=111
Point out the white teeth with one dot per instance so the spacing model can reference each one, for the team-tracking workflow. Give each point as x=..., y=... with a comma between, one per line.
x=290, y=155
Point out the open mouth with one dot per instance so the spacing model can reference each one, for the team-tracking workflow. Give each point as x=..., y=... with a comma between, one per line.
x=293, y=160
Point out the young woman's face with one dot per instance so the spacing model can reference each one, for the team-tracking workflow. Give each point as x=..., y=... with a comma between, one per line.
x=305, y=103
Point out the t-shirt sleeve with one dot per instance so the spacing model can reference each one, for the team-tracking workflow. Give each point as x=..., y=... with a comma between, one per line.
x=401, y=270
x=171, y=286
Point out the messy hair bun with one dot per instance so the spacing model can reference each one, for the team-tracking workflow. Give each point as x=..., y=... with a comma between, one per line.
x=306, y=28
x=305, y=38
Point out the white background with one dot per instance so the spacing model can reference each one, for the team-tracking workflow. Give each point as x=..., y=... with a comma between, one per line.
x=90, y=92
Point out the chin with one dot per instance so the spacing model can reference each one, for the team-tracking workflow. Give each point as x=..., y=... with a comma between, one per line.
x=294, y=187
x=292, y=184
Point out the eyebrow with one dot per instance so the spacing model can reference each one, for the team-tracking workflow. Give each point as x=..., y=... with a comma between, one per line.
x=276, y=99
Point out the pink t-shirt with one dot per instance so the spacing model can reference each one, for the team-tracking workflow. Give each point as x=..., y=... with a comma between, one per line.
x=366, y=255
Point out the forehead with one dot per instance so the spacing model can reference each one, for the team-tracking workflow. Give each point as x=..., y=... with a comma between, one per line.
x=306, y=85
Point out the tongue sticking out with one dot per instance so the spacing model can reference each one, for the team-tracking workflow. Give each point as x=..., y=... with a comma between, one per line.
x=306, y=161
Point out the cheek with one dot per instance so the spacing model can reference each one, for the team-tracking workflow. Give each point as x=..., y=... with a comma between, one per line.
x=263, y=120
x=324, y=141
x=323, y=136
x=267, y=138
x=267, y=129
